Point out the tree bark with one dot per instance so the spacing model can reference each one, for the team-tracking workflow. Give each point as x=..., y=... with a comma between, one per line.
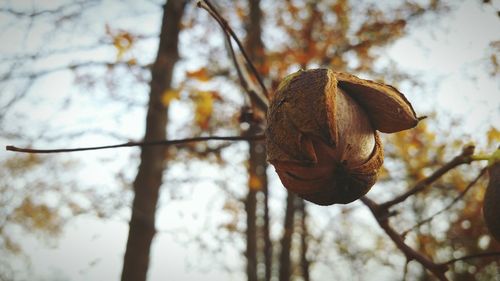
x=149, y=177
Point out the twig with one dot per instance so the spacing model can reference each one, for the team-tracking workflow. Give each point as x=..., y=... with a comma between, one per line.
x=261, y=102
x=455, y=200
x=142, y=144
x=405, y=271
x=44, y=12
x=73, y=66
x=473, y=256
x=228, y=28
x=463, y=158
x=205, y=4
x=382, y=219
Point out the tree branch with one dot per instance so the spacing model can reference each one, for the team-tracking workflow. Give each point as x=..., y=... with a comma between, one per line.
x=262, y=100
x=465, y=157
x=79, y=5
x=72, y=66
x=142, y=144
x=382, y=219
x=455, y=200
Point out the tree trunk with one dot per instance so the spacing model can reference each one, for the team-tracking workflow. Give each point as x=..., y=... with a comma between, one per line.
x=304, y=262
x=149, y=177
x=286, y=240
x=257, y=177
x=251, y=232
x=268, y=246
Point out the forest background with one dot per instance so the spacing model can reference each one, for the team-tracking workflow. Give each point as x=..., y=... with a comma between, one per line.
x=77, y=73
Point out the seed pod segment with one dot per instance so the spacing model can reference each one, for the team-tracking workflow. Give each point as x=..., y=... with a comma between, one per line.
x=321, y=133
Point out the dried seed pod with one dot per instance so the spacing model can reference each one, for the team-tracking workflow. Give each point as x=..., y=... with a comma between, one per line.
x=321, y=133
x=491, y=204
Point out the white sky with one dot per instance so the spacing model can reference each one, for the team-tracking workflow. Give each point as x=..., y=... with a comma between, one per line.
x=452, y=58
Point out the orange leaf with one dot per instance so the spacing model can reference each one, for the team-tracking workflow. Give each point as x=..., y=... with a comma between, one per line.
x=200, y=74
x=254, y=182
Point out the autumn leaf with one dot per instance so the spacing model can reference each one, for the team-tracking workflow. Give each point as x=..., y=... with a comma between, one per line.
x=200, y=75
x=254, y=182
x=204, y=103
x=169, y=95
x=122, y=41
x=37, y=216
x=240, y=11
x=493, y=136
x=132, y=62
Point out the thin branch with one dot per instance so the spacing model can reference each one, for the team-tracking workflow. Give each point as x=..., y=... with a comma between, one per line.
x=228, y=28
x=405, y=271
x=380, y=215
x=261, y=102
x=72, y=66
x=42, y=54
x=206, y=5
x=455, y=200
x=142, y=144
x=473, y=256
x=255, y=97
x=77, y=5
x=463, y=158
x=22, y=93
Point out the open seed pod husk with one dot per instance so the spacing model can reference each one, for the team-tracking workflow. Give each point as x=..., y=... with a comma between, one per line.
x=491, y=203
x=321, y=133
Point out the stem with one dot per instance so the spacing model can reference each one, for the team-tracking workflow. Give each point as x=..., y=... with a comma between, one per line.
x=480, y=157
x=142, y=144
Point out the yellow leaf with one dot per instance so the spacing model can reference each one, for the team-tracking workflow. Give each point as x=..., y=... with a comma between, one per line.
x=123, y=42
x=493, y=135
x=204, y=107
x=169, y=95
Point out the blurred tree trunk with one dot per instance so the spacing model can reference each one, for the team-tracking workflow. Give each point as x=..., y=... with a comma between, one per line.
x=257, y=166
x=149, y=177
x=286, y=240
x=251, y=231
x=304, y=262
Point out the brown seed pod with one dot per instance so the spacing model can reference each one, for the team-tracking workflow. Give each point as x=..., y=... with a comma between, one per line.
x=491, y=204
x=321, y=133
